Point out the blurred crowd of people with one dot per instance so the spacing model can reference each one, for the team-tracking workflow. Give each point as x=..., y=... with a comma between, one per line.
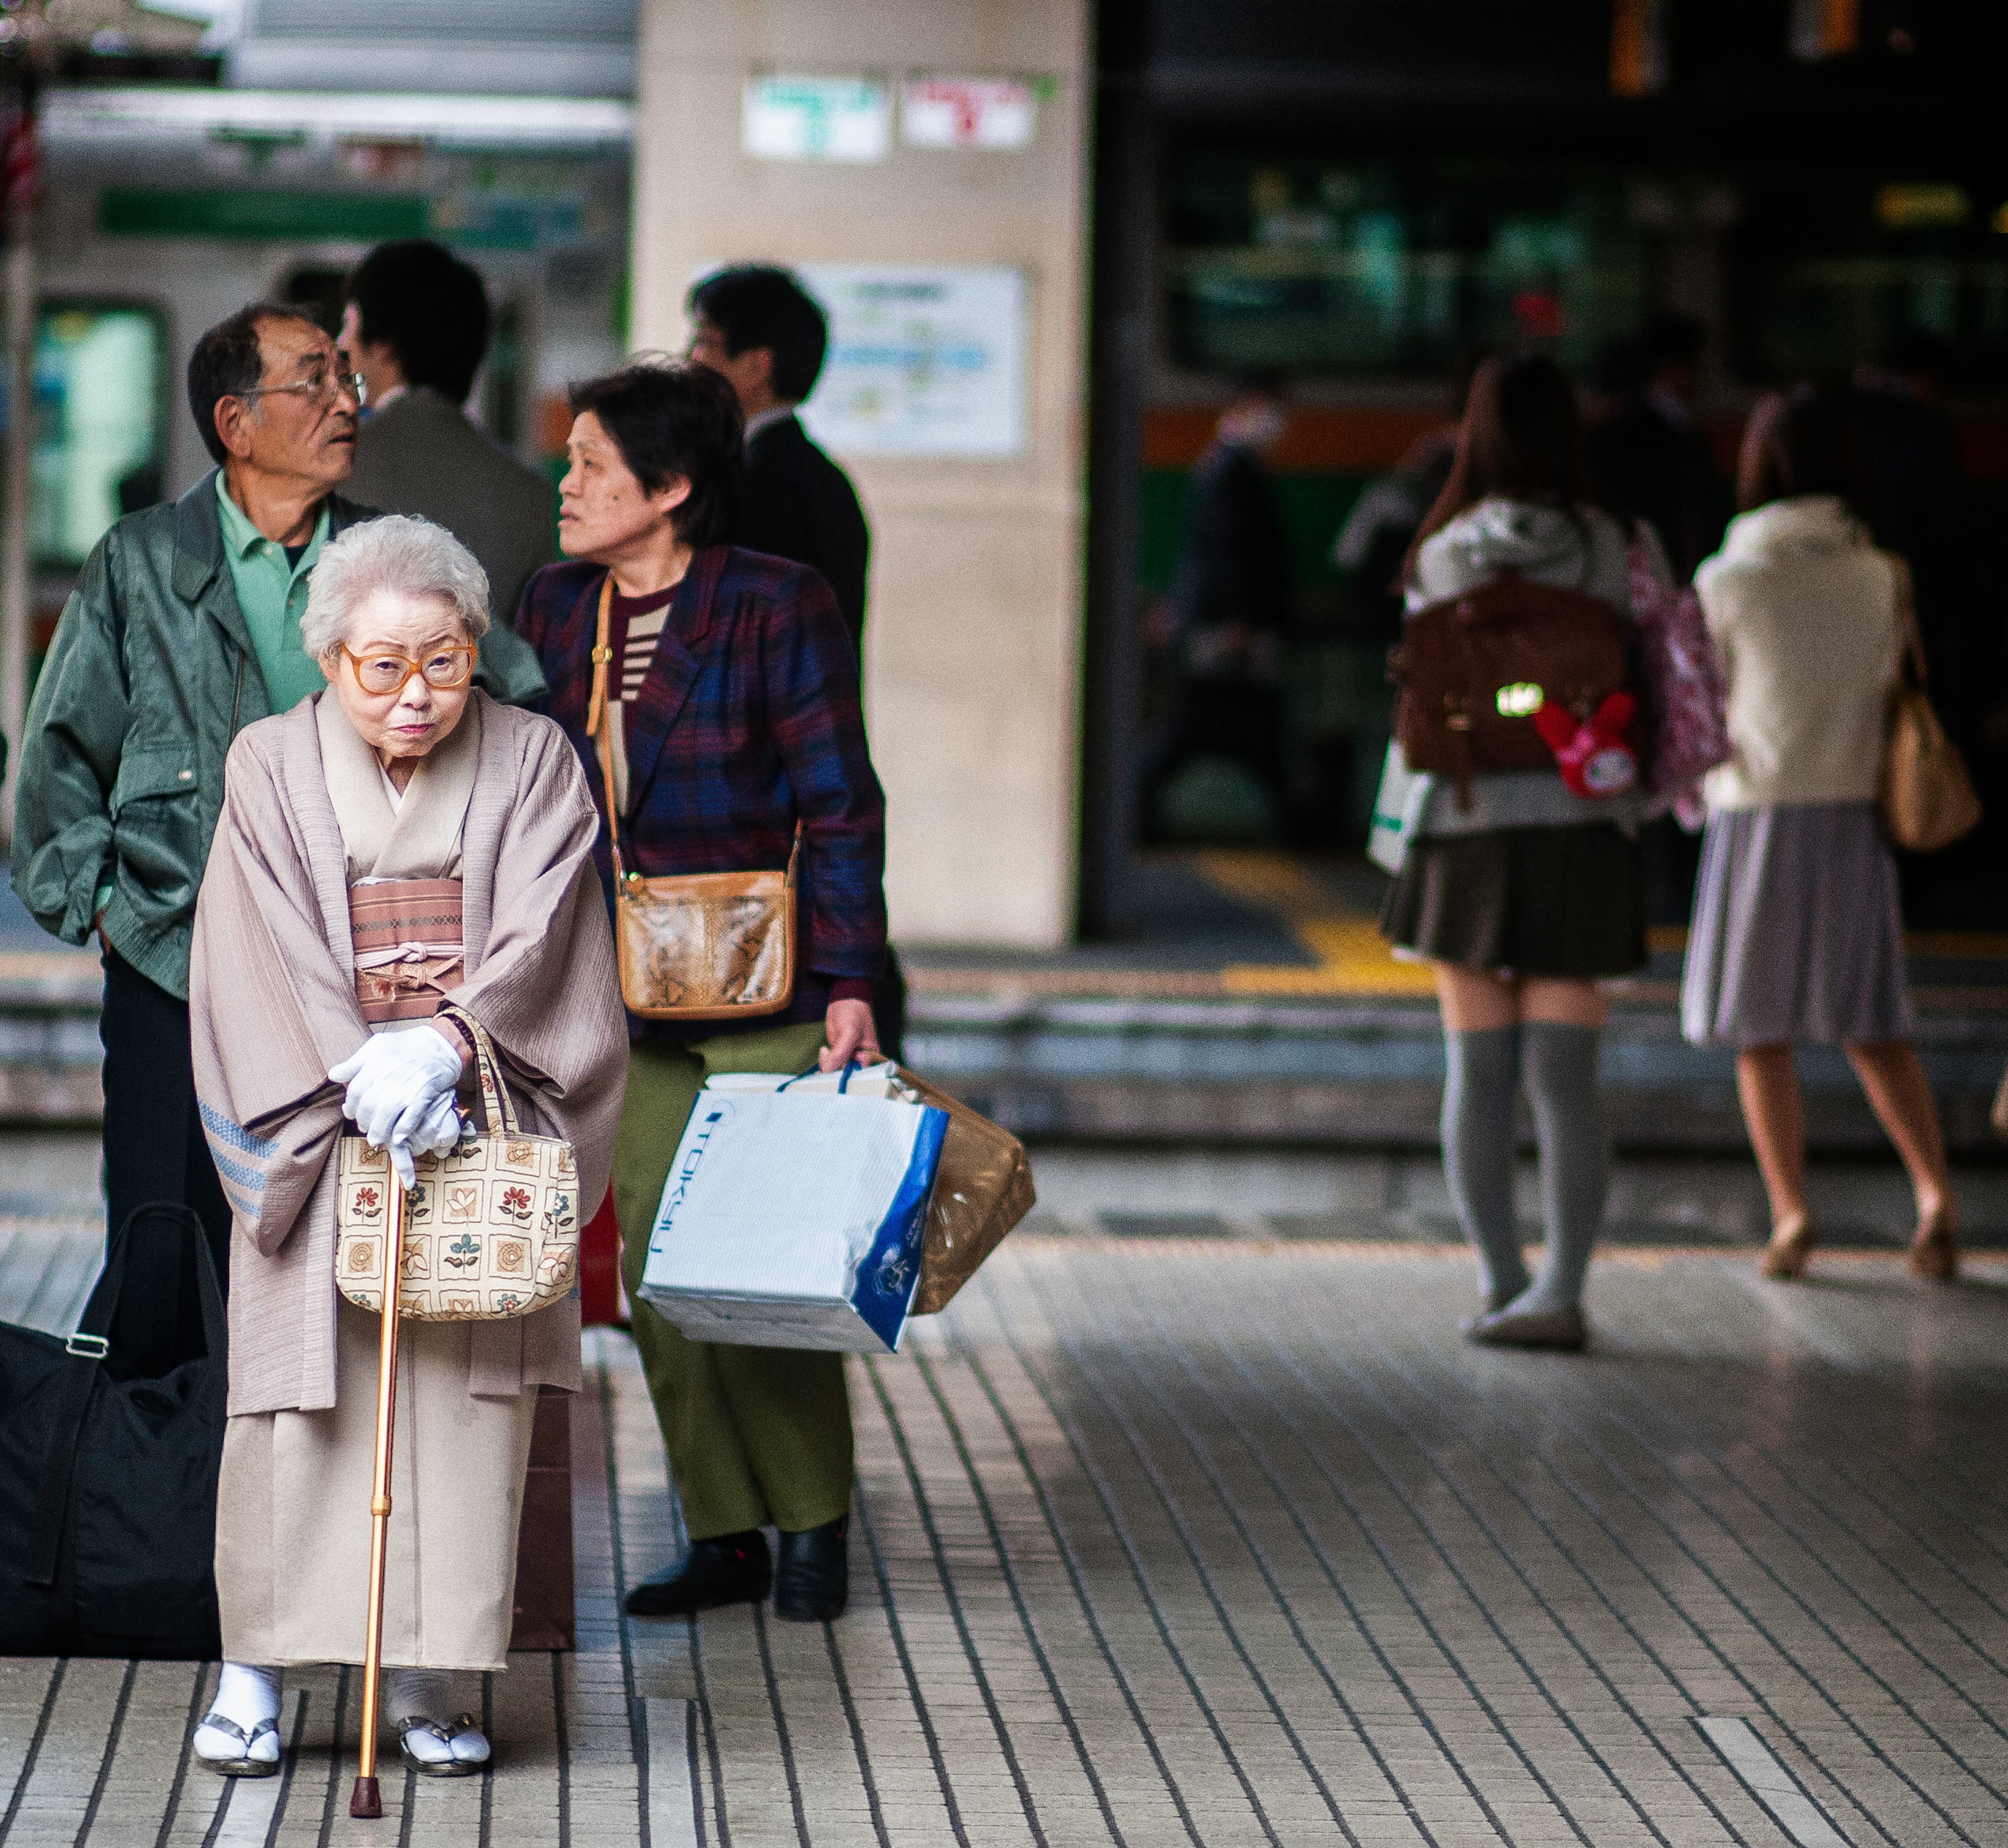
x=1832, y=560
x=1236, y=637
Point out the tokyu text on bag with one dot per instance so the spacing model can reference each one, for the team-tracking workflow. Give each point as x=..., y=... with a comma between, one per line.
x=694, y=946
x=795, y=1219
x=1927, y=797
x=491, y=1231
x=1473, y=670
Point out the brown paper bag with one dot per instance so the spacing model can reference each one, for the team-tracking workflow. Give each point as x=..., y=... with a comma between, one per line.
x=982, y=1188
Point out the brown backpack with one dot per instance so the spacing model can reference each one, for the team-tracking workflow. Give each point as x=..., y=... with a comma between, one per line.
x=1472, y=670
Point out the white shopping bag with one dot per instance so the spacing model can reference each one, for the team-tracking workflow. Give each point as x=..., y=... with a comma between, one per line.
x=792, y=1217
x=1394, y=802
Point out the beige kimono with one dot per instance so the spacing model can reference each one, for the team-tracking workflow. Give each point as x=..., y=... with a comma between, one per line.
x=293, y=1523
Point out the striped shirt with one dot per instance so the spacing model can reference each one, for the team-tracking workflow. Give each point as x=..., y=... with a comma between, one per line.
x=636, y=625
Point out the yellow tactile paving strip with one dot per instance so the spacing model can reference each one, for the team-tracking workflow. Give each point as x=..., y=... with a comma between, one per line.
x=1350, y=960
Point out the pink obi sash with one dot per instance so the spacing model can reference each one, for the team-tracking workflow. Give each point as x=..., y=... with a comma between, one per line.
x=408, y=954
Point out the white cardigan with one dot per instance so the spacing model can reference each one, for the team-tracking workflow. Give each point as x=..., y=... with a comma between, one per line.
x=1803, y=610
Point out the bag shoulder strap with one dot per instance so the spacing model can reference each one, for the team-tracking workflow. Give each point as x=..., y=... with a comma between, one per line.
x=597, y=724
x=1909, y=641
x=601, y=731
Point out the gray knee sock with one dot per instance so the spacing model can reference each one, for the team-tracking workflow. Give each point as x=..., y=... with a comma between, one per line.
x=1481, y=1070
x=1568, y=1124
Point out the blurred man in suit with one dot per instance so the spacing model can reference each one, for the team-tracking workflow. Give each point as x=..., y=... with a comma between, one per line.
x=416, y=320
x=1647, y=458
x=764, y=333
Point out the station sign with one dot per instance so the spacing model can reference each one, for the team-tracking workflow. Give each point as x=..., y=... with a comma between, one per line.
x=985, y=112
x=846, y=119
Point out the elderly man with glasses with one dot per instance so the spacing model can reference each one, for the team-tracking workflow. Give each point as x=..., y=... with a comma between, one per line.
x=184, y=627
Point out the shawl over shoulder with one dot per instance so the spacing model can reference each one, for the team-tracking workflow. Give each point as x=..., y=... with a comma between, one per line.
x=272, y=1006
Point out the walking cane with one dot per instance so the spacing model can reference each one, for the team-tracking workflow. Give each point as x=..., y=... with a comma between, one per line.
x=365, y=1800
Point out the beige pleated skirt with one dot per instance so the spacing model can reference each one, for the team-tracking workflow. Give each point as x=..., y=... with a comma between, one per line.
x=292, y=1515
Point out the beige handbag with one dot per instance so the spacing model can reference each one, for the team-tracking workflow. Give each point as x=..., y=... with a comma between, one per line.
x=1927, y=797
x=491, y=1231
x=694, y=946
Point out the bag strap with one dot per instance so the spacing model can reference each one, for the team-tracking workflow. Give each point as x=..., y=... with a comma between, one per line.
x=842, y=1083
x=600, y=730
x=86, y=1348
x=495, y=1104
x=1909, y=640
x=598, y=727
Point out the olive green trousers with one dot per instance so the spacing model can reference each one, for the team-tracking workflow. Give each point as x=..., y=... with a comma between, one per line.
x=757, y=1437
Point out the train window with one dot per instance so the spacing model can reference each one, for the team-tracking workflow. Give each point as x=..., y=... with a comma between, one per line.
x=1834, y=269
x=99, y=368
x=1390, y=268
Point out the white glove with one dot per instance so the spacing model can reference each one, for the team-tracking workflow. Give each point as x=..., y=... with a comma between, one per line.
x=394, y=1081
x=438, y=1133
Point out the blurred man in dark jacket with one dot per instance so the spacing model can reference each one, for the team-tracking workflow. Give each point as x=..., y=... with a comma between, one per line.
x=760, y=328
x=1647, y=458
x=1917, y=498
x=417, y=322
x=1231, y=602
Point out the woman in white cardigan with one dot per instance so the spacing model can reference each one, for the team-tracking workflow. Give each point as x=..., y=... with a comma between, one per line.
x=1796, y=934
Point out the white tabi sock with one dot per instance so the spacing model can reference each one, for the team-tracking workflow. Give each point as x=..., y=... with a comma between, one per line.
x=245, y=1695
x=427, y=1694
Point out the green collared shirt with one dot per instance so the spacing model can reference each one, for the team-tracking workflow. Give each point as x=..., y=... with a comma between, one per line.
x=273, y=595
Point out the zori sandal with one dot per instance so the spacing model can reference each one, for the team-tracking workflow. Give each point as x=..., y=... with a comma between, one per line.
x=244, y=1764
x=454, y=1764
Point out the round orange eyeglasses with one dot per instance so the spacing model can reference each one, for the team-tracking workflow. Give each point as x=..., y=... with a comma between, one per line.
x=381, y=672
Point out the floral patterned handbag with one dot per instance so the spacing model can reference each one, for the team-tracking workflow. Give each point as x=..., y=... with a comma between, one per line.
x=491, y=1230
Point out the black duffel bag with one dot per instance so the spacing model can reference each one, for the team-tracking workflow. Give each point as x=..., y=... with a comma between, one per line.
x=108, y=1482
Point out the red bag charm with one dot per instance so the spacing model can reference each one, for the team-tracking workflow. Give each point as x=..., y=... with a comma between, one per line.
x=1592, y=755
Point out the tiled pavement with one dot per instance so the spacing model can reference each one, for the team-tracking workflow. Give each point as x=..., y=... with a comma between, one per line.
x=1224, y=1541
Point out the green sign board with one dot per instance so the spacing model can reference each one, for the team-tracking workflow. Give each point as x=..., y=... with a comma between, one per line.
x=256, y=213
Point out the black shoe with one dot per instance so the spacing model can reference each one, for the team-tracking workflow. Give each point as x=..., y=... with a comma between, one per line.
x=727, y=1569
x=813, y=1580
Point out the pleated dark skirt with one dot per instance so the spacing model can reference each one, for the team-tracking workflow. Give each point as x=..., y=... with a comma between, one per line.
x=1565, y=903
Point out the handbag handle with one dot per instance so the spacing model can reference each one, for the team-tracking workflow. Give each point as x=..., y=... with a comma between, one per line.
x=495, y=1104
x=843, y=1083
x=1910, y=639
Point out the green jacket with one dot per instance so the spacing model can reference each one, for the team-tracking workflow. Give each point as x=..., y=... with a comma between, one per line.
x=150, y=677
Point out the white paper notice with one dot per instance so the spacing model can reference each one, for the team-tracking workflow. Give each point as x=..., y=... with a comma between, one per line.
x=817, y=118
x=924, y=360
x=992, y=112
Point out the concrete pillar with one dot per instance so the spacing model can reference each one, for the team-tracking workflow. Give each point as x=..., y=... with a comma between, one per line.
x=972, y=641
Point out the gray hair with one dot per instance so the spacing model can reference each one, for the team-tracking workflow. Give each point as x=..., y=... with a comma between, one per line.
x=396, y=553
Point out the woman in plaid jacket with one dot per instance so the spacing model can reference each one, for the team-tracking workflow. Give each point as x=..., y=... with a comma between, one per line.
x=734, y=709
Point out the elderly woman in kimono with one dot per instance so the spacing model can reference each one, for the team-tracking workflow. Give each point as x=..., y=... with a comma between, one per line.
x=396, y=840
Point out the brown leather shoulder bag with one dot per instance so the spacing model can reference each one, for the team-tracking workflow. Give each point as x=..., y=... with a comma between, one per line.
x=693, y=946
x=1473, y=670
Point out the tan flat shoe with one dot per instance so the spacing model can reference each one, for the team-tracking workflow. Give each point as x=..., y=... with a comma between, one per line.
x=1790, y=1248
x=1934, y=1250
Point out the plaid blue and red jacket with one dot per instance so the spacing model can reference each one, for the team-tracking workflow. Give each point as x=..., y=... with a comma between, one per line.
x=748, y=719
